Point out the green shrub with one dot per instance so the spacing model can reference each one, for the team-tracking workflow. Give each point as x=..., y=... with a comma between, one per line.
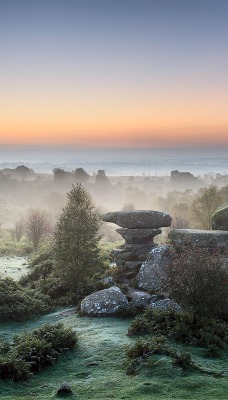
x=37, y=273
x=38, y=258
x=32, y=351
x=182, y=327
x=153, y=321
x=45, y=278
x=183, y=361
x=18, y=303
x=212, y=351
x=145, y=347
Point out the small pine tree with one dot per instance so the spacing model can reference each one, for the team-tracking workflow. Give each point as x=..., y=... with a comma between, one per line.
x=76, y=250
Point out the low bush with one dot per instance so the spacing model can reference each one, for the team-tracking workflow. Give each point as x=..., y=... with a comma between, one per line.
x=32, y=351
x=18, y=303
x=183, y=361
x=182, y=327
x=144, y=348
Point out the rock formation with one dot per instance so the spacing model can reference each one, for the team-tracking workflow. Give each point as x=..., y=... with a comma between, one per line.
x=142, y=259
x=138, y=229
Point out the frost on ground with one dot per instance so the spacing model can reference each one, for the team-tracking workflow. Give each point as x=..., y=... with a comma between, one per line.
x=13, y=267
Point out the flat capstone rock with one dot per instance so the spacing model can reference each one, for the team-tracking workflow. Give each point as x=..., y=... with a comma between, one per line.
x=201, y=238
x=139, y=219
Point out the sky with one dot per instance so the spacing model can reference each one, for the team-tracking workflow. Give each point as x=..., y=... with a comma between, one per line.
x=114, y=73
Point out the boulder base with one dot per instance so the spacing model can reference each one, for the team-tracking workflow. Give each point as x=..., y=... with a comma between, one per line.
x=154, y=269
x=138, y=236
x=104, y=302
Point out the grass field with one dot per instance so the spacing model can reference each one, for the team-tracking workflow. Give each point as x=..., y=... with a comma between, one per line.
x=13, y=267
x=96, y=368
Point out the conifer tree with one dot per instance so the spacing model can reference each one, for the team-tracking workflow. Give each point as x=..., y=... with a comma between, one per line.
x=76, y=239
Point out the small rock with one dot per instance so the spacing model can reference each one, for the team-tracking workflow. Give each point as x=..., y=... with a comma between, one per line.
x=64, y=389
x=109, y=281
x=140, y=299
x=166, y=304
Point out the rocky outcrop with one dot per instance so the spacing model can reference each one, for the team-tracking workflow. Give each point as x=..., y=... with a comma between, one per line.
x=104, y=302
x=220, y=218
x=138, y=229
x=142, y=259
x=154, y=269
x=214, y=240
x=145, y=219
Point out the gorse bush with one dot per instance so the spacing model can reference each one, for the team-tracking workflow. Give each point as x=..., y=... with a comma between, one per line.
x=143, y=350
x=154, y=321
x=145, y=347
x=37, y=273
x=141, y=353
x=197, y=280
x=18, y=303
x=182, y=327
x=32, y=351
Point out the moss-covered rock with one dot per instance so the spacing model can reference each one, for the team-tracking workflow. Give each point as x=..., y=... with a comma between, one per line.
x=220, y=218
x=105, y=302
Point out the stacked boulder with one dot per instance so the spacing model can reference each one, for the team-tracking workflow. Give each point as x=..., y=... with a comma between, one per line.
x=138, y=228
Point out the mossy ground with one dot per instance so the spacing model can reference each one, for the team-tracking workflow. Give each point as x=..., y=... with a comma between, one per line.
x=96, y=368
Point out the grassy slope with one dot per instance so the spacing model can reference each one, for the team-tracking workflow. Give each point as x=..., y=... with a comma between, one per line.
x=95, y=369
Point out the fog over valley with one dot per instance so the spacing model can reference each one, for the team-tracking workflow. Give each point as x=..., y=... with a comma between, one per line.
x=119, y=162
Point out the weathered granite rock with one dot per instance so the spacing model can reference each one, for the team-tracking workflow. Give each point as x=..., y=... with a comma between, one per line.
x=130, y=252
x=216, y=240
x=137, y=236
x=166, y=304
x=154, y=269
x=140, y=299
x=104, y=302
x=220, y=218
x=145, y=219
